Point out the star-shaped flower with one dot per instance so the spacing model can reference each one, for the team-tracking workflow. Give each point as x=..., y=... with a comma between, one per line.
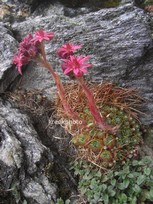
x=41, y=35
x=67, y=49
x=76, y=65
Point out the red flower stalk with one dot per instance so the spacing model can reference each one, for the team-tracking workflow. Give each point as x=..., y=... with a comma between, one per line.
x=77, y=66
x=61, y=91
x=100, y=120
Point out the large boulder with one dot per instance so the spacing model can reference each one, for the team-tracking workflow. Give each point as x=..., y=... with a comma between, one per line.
x=23, y=160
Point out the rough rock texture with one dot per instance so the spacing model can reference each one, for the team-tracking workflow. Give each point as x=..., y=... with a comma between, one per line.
x=8, y=46
x=118, y=40
x=23, y=159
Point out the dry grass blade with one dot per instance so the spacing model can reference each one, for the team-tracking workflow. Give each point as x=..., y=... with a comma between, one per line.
x=106, y=93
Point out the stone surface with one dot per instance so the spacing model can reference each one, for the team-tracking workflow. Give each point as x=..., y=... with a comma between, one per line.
x=117, y=39
x=23, y=158
x=8, y=46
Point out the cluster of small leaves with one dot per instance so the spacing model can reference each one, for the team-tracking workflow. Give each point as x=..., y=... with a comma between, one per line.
x=131, y=183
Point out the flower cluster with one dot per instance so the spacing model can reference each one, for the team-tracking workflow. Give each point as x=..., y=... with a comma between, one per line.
x=72, y=65
x=29, y=48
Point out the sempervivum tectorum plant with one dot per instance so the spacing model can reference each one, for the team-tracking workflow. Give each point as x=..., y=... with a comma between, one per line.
x=108, y=130
x=109, y=141
x=81, y=140
x=117, y=107
x=106, y=156
x=76, y=66
x=96, y=145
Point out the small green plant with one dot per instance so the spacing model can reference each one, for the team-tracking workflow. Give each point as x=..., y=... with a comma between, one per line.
x=130, y=183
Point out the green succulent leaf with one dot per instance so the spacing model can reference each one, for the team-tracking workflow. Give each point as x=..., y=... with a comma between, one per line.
x=121, y=186
x=96, y=196
x=104, y=179
x=110, y=174
x=134, y=200
x=60, y=201
x=135, y=162
x=141, y=179
x=137, y=189
x=98, y=174
x=106, y=199
x=104, y=187
x=126, y=183
x=126, y=170
x=113, y=182
x=123, y=198
x=147, y=160
x=83, y=190
x=130, y=175
x=151, y=194
x=112, y=193
x=67, y=201
x=147, y=171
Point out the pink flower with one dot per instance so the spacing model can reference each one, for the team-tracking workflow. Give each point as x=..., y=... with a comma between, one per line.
x=67, y=49
x=42, y=35
x=19, y=60
x=27, y=47
x=76, y=65
x=27, y=38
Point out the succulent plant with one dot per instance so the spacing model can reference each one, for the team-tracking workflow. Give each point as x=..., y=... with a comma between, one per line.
x=116, y=106
x=80, y=140
x=109, y=141
x=96, y=145
x=106, y=156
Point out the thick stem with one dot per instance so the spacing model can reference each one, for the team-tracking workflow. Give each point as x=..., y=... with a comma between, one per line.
x=100, y=120
x=61, y=91
x=42, y=50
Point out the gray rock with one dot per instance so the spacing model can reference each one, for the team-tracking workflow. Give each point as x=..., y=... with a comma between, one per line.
x=43, y=192
x=8, y=46
x=117, y=39
x=23, y=158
